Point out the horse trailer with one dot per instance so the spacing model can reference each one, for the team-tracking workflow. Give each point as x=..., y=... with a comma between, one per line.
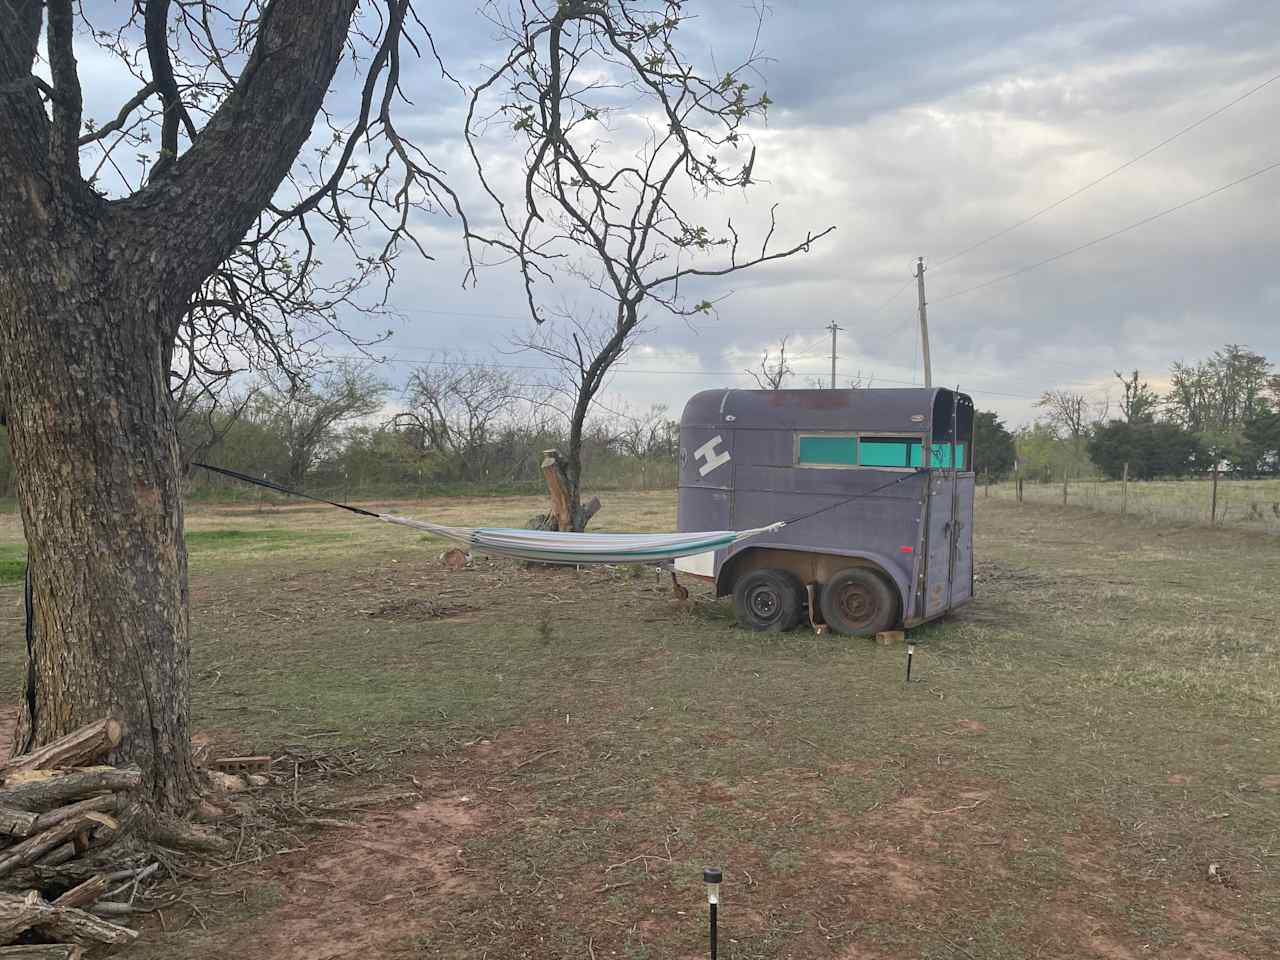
x=877, y=490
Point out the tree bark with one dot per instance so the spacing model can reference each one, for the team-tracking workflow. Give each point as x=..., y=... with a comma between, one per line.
x=92, y=428
x=91, y=295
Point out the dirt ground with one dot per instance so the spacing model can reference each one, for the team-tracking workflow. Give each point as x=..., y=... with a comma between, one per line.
x=515, y=762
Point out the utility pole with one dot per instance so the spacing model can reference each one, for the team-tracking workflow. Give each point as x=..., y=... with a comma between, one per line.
x=924, y=322
x=833, y=328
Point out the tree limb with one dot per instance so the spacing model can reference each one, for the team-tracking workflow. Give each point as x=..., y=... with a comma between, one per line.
x=68, y=102
x=228, y=175
x=122, y=117
x=156, y=29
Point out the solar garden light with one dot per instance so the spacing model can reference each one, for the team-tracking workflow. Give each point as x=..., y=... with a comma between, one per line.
x=712, y=876
x=911, y=652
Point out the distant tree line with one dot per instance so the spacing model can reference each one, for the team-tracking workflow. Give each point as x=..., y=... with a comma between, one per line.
x=1223, y=412
x=477, y=426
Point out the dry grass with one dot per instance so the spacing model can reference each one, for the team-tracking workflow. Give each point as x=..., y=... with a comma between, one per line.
x=1246, y=504
x=1085, y=739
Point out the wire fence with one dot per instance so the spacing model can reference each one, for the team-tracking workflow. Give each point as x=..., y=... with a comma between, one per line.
x=1210, y=501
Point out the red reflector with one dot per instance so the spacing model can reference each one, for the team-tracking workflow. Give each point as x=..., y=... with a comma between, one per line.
x=906, y=549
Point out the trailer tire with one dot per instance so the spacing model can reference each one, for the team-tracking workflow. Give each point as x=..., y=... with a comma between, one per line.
x=858, y=602
x=768, y=600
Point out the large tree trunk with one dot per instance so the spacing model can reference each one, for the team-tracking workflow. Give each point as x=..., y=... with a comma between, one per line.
x=91, y=425
x=90, y=297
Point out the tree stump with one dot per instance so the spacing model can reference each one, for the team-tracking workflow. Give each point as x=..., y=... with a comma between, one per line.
x=566, y=509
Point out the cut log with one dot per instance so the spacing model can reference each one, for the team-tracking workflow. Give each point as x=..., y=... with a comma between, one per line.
x=43, y=951
x=16, y=823
x=46, y=789
x=83, y=746
x=19, y=914
x=106, y=803
x=86, y=893
x=33, y=848
x=59, y=855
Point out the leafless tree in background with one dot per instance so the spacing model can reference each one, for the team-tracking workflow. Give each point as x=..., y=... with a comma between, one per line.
x=1140, y=402
x=771, y=376
x=454, y=407
x=1072, y=415
x=309, y=417
x=606, y=198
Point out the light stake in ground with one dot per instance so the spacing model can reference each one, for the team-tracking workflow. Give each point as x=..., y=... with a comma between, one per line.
x=712, y=876
x=911, y=652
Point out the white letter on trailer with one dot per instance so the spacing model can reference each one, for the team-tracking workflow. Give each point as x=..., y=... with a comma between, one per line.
x=714, y=457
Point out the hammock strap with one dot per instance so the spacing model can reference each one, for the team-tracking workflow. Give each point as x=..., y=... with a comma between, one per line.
x=263, y=482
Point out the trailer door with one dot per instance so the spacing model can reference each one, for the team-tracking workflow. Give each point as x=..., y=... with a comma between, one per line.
x=962, y=539
x=938, y=546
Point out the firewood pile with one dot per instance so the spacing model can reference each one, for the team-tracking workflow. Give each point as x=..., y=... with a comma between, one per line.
x=58, y=812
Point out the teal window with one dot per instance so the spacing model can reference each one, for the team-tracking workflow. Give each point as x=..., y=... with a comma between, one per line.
x=827, y=451
x=888, y=451
x=940, y=455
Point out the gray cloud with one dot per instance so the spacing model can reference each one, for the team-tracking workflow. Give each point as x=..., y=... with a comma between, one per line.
x=918, y=129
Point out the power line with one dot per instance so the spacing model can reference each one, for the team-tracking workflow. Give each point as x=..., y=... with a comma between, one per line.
x=1110, y=173
x=1108, y=236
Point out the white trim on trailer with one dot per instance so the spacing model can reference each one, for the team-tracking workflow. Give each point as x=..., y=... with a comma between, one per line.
x=698, y=565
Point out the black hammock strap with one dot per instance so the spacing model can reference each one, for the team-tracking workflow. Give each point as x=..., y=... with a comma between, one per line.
x=262, y=482
x=279, y=488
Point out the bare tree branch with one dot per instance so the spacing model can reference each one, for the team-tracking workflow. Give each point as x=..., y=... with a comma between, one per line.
x=64, y=150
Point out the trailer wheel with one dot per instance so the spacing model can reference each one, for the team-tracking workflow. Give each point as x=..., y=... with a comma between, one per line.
x=857, y=601
x=768, y=600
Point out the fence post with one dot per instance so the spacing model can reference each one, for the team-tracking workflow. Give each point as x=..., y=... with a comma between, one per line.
x=1064, y=487
x=1019, y=487
x=1213, y=504
x=1124, y=490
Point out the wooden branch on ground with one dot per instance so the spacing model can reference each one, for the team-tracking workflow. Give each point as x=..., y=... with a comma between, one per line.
x=16, y=823
x=106, y=803
x=85, y=893
x=19, y=914
x=43, y=951
x=45, y=789
x=32, y=849
x=83, y=746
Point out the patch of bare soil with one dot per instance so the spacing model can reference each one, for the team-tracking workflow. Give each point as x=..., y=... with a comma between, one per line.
x=360, y=890
x=375, y=881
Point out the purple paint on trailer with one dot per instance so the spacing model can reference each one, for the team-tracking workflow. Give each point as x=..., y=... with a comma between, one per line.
x=752, y=457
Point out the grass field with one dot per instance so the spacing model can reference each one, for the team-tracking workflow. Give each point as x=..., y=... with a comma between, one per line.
x=571, y=748
x=1246, y=504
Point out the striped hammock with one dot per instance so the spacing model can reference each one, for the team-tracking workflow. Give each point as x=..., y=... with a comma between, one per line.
x=550, y=546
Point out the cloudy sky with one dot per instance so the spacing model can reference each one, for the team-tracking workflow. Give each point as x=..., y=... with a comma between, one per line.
x=920, y=129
